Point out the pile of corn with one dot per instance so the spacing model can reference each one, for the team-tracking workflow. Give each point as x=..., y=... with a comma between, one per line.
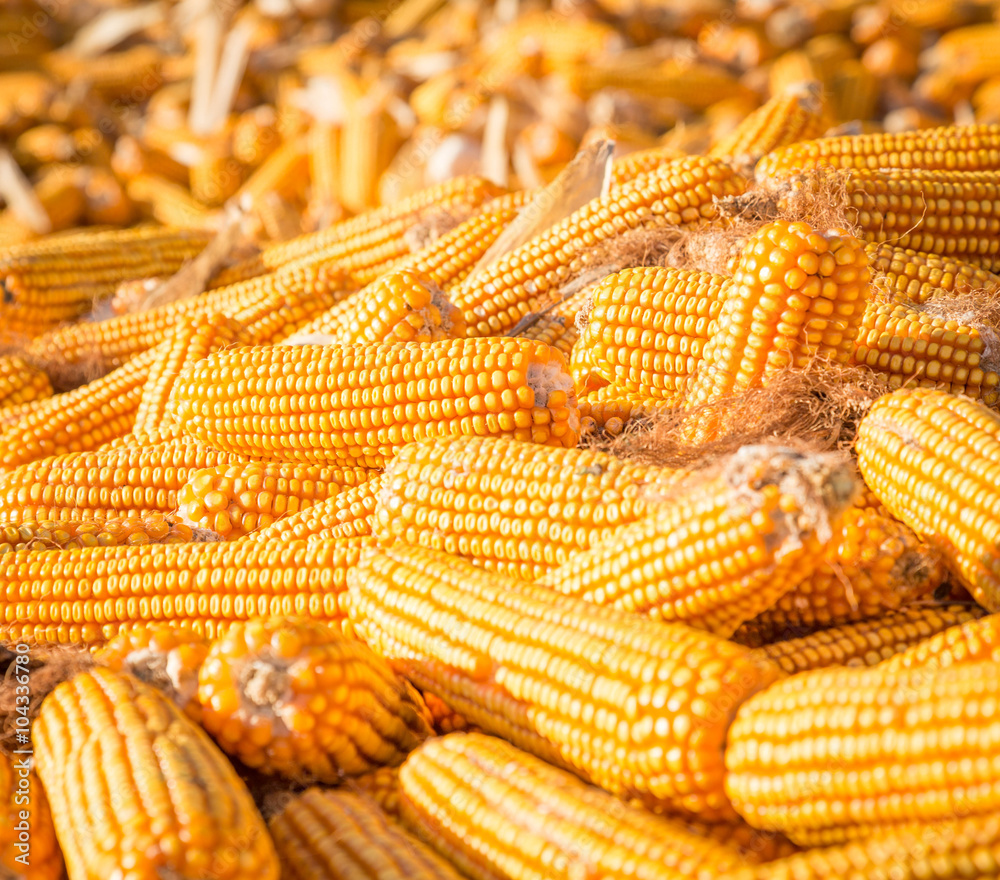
x=402, y=462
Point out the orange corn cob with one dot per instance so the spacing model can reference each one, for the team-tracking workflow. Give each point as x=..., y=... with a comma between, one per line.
x=192, y=339
x=359, y=404
x=53, y=535
x=631, y=165
x=964, y=642
x=130, y=75
x=164, y=656
x=471, y=796
x=20, y=382
x=910, y=346
x=59, y=279
x=348, y=514
x=444, y=719
x=721, y=548
x=680, y=194
x=793, y=115
x=798, y=295
x=870, y=641
x=873, y=564
x=167, y=202
x=301, y=700
x=510, y=506
x=561, y=678
x=910, y=277
x=269, y=306
x=611, y=408
x=168, y=802
x=930, y=456
x=325, y=160
x=216, y=175
x=380, y=786
x=283, y=172
x=235, y=500
x=340, y=834
x=254, y=138
x=207, y=587
x=959, y=147
x=27, y=837
x=648, y=327
x=885, y=740
x=130, y=480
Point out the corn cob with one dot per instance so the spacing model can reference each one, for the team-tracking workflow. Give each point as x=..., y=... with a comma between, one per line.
x=401, y=306
x=51, y=535
x=967, y=642
x=611, y=408
x=380, y=787
x=235, y=500
x=929, y=456
x=870, y=641
x=340, y=834
x=269, y=306
x=559, y=677
x=754, y=846
x=509, y=506
x=20, y=382
x=471, y=796
x=301, y=700
x=910, y=277
x=168, y=803
x=648, y=327
x=680, y=194
x=721, y=548
x=60, y=279
x=910, y=346
x=27, y=837
x=794, y=115
x=217, y=175
x=167, y=202
x=884, y=740
x=958, y=148
x=443, y=718
x=359, y=404
x=631, y=165
x=59, y=192
x=444, y=263
x=131, y=480
x=130, y=75
x=324, y=166
x=969, y=54
x=558, y=326
x=955, y=850
x=874, y=564
x=191, y=340
x=348, y=514
x=164, y=656
x=798, y=295
x=282, y=172
x=207, y=587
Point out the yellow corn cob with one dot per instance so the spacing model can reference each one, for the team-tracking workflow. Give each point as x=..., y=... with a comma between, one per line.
x=872, y=565
x=648, y=327
x=870, y=641
x=106, y=201
x=558, y=326
x=401, y=306
x=798, y=295
x=239, y=499
x=54, y=535
x=301, y=700
x=133, y=158
x=680, y=194
x=635, y=706
x=964, y=642
x=721, y=548
x=191, y=340
x=854, y=93
x=266, y=305
x=60, y=192
x=324, y=165
x=954, y=850
x=968, y=54
x=509, y=506
x=754, y=846
x=167, y=202
x=910, y=346
x=443, y=718
x=131, y=480
x=895, y=747
x=207, y=587
x=283, y=172
x=358, y=404
x=631, y=165
x=130, y=75
x=216, y=176
x=20, y=382
x=254, y=138
x=340, y=834
x=910, y=277
x=348, y=514
x=611, y=408
x=380, y=787
x=929, y=456
x=960, y=147
x=27, y=838
x=445, y=262
x=168, y=802
x=59, y=279
x=471, y=796
x=793, y=115
x=41, y=145
x=165, y=656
